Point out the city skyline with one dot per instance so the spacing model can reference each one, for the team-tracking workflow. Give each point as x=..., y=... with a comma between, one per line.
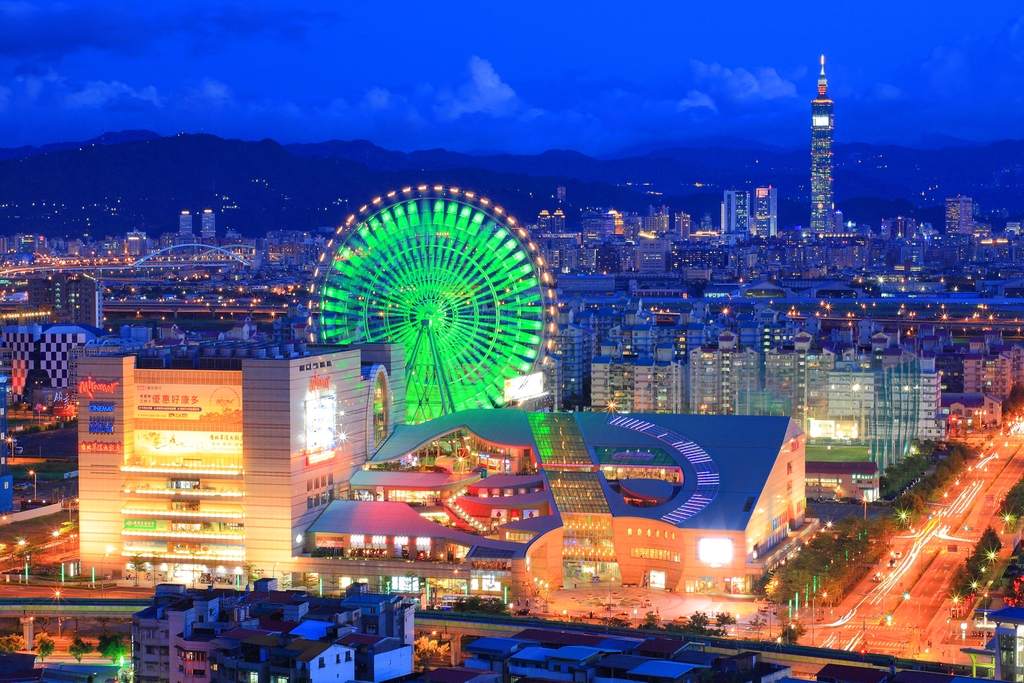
x=274, y=71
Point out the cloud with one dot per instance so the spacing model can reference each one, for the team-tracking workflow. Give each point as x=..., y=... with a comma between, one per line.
x=51, y=31
x=54, y=30
x=100, y=93
x=485, y=93
x=763, y=83
x=247, y=19
x=696, y=99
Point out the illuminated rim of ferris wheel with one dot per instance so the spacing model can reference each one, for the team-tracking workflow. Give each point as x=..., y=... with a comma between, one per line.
x=451, y=277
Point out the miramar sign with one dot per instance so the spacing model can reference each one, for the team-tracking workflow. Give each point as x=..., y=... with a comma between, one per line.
x=91, y=387
x=318, y=381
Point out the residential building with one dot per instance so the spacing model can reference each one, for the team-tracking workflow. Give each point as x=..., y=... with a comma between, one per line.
x=720, y=375
x=638, y=384
x=75, y=299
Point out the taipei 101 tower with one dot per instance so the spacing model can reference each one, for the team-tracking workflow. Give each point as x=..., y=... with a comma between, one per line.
x=821, y=157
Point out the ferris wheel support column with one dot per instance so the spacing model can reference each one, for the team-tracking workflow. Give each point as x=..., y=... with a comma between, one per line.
x=447, y=402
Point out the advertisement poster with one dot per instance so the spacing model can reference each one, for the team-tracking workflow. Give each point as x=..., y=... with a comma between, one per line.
x=162, y=443
x=217, y=403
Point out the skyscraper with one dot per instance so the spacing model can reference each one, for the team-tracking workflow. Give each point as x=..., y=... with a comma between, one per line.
x=959, y=215
x=736, y=214
x=185, y=223
x=766, y=211
x=821, y=157
x=683, y=223
x=209, y=228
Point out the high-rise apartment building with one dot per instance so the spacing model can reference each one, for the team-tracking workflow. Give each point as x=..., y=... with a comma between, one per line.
x=560, y=193
x=959, y=215
x=185, y=223
x=822, y=122
x=209, y=227
x=736, y=218
x=720, y=375
x=74, y=299
x=766, y=212
x=637, y=385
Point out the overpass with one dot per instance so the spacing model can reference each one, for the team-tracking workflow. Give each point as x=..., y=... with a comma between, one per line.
x=455, y=626
x=82, y=608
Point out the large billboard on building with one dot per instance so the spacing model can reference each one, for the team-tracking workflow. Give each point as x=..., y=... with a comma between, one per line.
x=180, y=422
x=212, y=403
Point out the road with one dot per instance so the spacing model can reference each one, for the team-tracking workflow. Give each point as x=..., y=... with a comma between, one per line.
x=916, y=593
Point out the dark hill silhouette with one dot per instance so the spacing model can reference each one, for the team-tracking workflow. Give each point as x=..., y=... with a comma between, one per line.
x=136, y=179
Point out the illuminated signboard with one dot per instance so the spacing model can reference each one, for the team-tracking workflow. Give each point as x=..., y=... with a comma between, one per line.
x=321, y=428
x=101, y=407
x=99, y=447
x=524, y=387
x=819, y=120
x=632, y=455
x=714, y=551
x=318, y=382
x=153, y=443
x=91, y=387
x=101, y=425
x=217, y=404
x=208, y=433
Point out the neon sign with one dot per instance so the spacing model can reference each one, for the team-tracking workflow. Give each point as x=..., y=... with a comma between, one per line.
x=99, y=447
x=91, y=387
x=633, y=455
x=101, y=407
x=318, y=381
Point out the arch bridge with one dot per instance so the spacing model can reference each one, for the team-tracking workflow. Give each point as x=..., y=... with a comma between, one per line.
x=177, y=255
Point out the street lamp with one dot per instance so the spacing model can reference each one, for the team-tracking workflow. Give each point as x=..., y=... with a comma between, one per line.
x=35, y=485
x=103, y=576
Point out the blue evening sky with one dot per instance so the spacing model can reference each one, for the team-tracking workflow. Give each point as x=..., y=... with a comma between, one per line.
x=520, y=76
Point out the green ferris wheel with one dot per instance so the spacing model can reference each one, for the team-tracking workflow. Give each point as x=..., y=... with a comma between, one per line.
x=452, y=278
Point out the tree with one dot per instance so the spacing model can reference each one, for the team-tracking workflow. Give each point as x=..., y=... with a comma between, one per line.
x=12, y=642
x=651, y=621
x=698, y=625
x=725, y=619
x=792, y=630
x=44, y=647
x=112, y=647
x=427, y=649
x=79, y=648
x=757, y=623
x=477, y=605
x=138, y=565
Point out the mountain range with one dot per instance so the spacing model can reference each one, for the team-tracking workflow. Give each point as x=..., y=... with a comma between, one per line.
x=141, y=180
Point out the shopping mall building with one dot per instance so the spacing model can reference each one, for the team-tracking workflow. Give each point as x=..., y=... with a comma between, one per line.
x=233, y=460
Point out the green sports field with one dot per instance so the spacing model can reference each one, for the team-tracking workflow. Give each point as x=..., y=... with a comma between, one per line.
x=820, y=453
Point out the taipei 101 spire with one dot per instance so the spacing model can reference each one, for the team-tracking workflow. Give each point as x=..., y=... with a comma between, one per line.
x=821, y=157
